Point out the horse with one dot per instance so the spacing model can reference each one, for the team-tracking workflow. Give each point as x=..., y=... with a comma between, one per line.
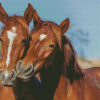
x=15, y=42
x=54, y=64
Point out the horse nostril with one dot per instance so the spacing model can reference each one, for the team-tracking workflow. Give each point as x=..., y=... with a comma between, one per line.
x=28, y=69
x=0, y=71
x=3, y=77
x=13, y=76
x=18, y=66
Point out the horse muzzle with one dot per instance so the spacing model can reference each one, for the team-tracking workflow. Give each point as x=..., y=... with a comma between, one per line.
x=8, y=78
x=24, y=72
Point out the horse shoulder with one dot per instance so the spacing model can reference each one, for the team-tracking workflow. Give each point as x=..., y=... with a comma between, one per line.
x=85, y=88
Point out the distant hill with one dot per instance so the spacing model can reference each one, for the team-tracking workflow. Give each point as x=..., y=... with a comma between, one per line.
x=88, y=63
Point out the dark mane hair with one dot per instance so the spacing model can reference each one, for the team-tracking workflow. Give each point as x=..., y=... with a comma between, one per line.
x=71, y=67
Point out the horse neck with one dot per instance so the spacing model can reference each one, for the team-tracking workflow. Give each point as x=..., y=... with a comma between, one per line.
x=27, y=90
x=55, y=79
x=50, y=77
x=67, y=83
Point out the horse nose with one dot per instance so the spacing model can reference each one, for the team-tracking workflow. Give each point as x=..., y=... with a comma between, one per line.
x=8, y=78
x=24, y=71
x=0, y=73
x=18, y=67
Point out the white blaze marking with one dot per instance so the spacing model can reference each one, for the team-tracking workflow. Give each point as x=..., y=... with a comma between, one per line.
x=14, y=29
x=42, y=36
x=11, y=37
x=6, y=74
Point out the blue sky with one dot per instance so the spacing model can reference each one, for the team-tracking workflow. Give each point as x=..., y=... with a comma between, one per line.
x=84, y=16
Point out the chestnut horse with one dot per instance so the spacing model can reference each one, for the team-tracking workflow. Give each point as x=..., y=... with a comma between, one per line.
x=53, y=59
x=15, y=42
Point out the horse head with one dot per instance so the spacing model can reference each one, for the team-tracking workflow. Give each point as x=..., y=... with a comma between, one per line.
x=48, y=46
x=15, y=40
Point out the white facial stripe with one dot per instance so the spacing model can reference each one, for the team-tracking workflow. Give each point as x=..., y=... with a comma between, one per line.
x=6, y=73
x=14, y=29
x=42, y=36
x=11, y=37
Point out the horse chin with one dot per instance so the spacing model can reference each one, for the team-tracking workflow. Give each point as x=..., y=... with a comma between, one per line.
x=26, y=74
x=8, y=84
x=24, y=79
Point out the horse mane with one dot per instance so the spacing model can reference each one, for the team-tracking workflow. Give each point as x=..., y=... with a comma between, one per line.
x=23, y=22
x=71, y=67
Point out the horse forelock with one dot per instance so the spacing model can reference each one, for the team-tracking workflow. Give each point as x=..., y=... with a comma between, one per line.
x=23, y=22
x=58, y=35
x=12, y=20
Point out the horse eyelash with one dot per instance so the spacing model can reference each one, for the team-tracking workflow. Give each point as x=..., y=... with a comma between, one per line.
x=52, y=46
x=24, y=41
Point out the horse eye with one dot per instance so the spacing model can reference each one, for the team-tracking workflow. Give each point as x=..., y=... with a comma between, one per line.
x=29, y=38
x=24, y=42
x=51, y=46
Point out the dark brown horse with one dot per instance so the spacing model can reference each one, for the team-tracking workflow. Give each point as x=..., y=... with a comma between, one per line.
x=53, y=60
x=15, y=42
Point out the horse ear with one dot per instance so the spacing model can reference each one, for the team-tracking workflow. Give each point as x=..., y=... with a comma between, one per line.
x=36, y=18
x=3, y=15
x=64, y=25
x=72, y=69
x=28, y=14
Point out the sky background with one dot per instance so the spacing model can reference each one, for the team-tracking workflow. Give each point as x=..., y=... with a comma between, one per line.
x=84, y=16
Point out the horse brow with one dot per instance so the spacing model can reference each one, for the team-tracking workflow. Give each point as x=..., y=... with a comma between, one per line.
x=24, y=24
